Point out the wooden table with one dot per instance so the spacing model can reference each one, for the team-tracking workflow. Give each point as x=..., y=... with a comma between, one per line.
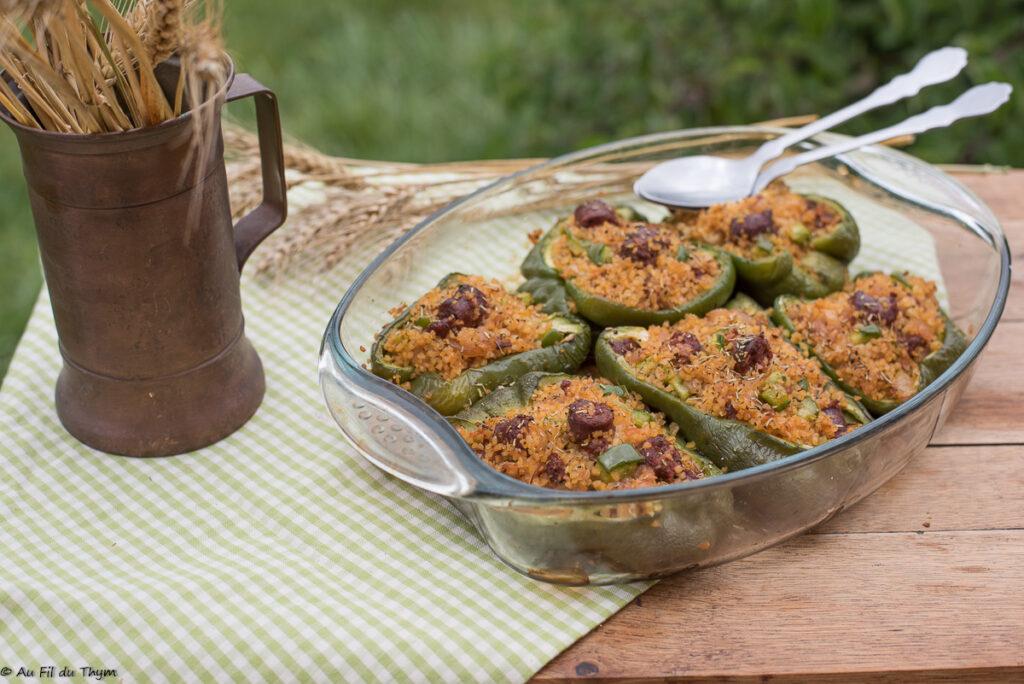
x=922, y=581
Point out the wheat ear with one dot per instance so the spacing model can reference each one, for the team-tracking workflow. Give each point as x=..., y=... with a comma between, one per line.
x=162, y=28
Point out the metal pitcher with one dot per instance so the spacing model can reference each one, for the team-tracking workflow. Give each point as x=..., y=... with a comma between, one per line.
x=142, y=263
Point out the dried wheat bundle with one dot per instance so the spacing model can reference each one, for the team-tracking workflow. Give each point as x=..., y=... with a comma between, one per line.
x=368, y=202
x=88, y=66
x=352, y=211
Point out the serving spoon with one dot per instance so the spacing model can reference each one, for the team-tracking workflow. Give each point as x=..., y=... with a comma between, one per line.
x=702, y=180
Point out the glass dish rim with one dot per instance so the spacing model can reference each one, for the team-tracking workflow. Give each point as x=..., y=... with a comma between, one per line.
x=493, y=485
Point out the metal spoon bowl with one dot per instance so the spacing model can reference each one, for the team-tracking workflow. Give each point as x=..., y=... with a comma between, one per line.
x=701, y=181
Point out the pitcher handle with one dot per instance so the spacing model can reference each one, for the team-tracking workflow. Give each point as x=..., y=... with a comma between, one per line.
x=255, y=226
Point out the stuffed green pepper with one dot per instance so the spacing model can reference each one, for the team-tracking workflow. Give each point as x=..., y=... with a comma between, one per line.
x=468, y=336
x=883, y=338
x=577, y=433
x=619, y=271
x=737, y=388
x=781, y=242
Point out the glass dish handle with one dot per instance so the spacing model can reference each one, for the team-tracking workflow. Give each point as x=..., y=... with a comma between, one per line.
x=391, y=429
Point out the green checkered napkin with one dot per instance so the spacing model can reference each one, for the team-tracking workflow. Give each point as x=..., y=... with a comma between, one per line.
x=277, y=554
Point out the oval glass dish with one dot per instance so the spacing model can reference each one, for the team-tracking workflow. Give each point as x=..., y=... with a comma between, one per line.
x=912, y=216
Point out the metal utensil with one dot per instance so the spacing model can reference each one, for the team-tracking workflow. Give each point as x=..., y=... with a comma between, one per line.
x=700, y=181
x=979, y=100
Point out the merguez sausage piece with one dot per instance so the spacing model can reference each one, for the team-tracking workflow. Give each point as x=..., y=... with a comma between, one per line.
x=595, y=213
x=585, y=417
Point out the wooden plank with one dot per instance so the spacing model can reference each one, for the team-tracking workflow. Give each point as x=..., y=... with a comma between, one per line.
x=945, y=488
x=959, y=676
x=1014, y=310
x=992, y=406
x=1000, y=191
x=960, y=271
x=904, y=603
x=990, y=410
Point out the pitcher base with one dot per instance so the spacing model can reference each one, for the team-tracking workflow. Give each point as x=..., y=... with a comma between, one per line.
x=164, y=416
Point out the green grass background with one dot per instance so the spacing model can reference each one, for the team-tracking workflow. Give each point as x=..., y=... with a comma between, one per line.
x=439, y=80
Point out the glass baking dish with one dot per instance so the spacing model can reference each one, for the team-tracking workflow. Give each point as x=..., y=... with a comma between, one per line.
x=910, y=214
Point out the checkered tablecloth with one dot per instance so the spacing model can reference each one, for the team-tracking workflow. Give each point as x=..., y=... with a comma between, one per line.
x=277, y=554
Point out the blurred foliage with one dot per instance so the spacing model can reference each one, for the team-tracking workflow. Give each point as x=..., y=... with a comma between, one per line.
x=438, y=80
x=19, y=258
x=464, y=79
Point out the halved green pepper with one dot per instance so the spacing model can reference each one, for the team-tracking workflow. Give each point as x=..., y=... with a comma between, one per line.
x=819, y=272
x=694, y=524
x=731, y=444
x=449, y=396
x=932, y=366
x=517, y=395
x=744, y=302
x=545, y=284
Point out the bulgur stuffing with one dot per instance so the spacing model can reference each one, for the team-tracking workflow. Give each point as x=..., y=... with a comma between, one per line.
x=463, y=325
x=571, y=429
x=755, y=227
x=640, y=265
x=735, y=365
x=874, y=333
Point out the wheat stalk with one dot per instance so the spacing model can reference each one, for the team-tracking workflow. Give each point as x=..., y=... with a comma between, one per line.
x=73, y=73
x=10, y=102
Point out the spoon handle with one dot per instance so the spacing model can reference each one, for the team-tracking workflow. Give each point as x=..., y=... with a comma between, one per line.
x=979, y=100
x=937, y=66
